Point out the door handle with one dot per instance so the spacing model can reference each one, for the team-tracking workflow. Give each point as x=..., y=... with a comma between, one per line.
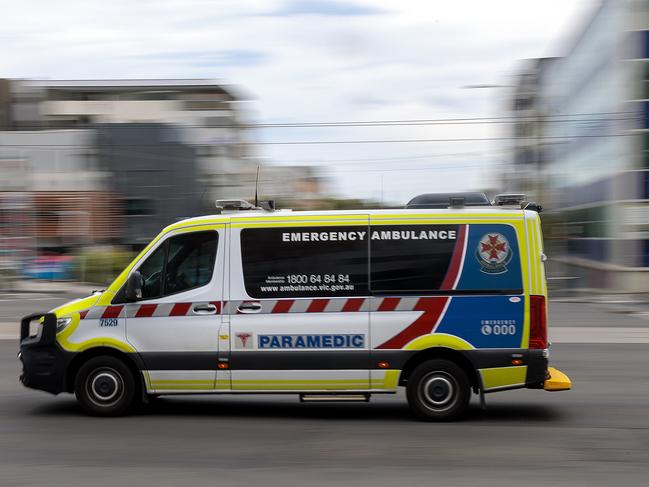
x=204, y=309
x=249, y=307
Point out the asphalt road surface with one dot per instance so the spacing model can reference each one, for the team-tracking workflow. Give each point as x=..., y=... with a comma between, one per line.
x=595, y=435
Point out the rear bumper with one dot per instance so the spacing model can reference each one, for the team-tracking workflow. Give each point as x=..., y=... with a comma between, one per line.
x=557, y=381
x=502, y=369
x=44, y=363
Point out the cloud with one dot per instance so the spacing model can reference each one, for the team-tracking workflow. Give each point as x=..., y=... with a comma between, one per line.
x=336, y=8
x=202, y=59
x=311, y=61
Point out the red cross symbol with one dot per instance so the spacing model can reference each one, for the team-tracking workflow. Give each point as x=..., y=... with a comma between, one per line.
x=493, y=247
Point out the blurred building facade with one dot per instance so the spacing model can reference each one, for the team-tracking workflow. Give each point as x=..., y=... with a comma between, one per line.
x=208, y=115
x=585, y=151
x=98, y=162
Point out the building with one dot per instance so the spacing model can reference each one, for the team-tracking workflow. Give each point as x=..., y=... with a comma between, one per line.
x=591, y=150
x=208, y=114
x=155, y=174
x=113, y=161
x=529, y=145
x=291, y=185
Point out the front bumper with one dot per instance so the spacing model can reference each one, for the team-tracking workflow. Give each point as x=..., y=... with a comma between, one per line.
x=44, y=363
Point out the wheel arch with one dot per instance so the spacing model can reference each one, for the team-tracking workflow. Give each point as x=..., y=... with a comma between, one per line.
x=132, y=361
x=445, y=353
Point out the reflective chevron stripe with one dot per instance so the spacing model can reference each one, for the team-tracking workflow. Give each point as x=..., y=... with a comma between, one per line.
x=148, y=310
x=268, y=306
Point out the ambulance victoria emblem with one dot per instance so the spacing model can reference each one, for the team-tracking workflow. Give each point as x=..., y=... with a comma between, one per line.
x=493, y=253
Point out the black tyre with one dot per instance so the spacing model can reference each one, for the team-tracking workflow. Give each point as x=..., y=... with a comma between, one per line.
x=105, y=386
x=438, y=390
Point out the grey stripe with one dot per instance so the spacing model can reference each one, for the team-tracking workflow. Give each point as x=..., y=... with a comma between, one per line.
x=406, y=304
x=365, y=307
x=95, y=312
x=231, y=307
x=131, y=310
x=335, y=305
x=267, y=305
x=163, y=309
x=375, y=303
x=300, y=305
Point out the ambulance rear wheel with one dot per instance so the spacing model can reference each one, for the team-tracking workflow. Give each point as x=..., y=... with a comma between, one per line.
x=105, y=386
x=438, y=390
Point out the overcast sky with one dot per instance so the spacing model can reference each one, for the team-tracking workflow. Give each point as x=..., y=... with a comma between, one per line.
x=317, y=61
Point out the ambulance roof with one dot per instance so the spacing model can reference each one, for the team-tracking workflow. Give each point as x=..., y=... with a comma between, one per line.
x=496, y=212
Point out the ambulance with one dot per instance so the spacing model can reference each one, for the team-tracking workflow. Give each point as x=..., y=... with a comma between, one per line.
x=446, y=298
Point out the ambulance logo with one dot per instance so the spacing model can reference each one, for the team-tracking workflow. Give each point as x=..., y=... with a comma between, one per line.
x=493, y=253
x=243, y=340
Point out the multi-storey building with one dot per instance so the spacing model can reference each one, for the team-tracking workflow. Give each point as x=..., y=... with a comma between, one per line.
x=594, y=150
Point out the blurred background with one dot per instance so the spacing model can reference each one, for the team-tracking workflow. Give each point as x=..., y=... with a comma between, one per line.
x=113, y=126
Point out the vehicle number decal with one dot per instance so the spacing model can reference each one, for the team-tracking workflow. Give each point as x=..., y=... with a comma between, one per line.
x=108, y=322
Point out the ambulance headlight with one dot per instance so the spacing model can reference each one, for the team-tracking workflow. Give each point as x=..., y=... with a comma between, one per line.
x=61, y=323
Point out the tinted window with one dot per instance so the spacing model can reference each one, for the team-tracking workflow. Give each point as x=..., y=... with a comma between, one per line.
x=151, y=271
x=436, y=258
x=180, y=263
x=190, y=261
x=410, y=258
x=305, y=262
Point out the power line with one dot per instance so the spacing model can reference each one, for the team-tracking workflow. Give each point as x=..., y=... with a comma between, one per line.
x=426, y=168
x=334, y=162
x=330, y=142
x=556, y=118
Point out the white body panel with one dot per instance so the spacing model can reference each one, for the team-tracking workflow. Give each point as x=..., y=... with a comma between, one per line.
x=264, y=322
x=191, y=332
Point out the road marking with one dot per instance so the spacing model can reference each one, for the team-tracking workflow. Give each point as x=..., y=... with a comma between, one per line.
x=28, y=297
x=593, y=334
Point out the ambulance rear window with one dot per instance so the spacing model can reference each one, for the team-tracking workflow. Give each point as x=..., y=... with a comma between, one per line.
x=466, y=258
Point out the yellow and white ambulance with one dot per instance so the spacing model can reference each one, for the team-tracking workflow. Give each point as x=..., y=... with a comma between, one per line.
x=445, y=298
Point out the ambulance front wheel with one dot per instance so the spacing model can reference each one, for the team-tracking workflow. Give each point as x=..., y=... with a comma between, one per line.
x=438, y=390
x=105, y=386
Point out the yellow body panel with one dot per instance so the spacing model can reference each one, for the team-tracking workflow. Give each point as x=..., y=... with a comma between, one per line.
x=438, y=340
x=499, y=377
x=65, y=341
x=68, y=309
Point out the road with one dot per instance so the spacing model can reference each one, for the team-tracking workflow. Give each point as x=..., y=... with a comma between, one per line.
x=595, y=435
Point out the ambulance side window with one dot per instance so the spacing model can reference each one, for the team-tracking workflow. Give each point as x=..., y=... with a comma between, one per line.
x=479, y=258
x=190, y=261
x=151, y=271
x=410, y=258
x=181, y=263
x=289, y=262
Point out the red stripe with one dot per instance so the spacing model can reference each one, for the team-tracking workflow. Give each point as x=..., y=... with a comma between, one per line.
x=353, y=304
x=283, y=306
x=218, y=306
x=146, y=310
x=180, y=309
x=82, y=314
x=388, y=304
x=432, y=308
x=456, y=260
x=317, y=306
x=112, y=312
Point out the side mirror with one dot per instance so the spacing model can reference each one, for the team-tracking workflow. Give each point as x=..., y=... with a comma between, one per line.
x=134, y=285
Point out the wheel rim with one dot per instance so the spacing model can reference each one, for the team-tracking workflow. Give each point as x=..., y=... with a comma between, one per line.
x=105, y=387
x=438, y=391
